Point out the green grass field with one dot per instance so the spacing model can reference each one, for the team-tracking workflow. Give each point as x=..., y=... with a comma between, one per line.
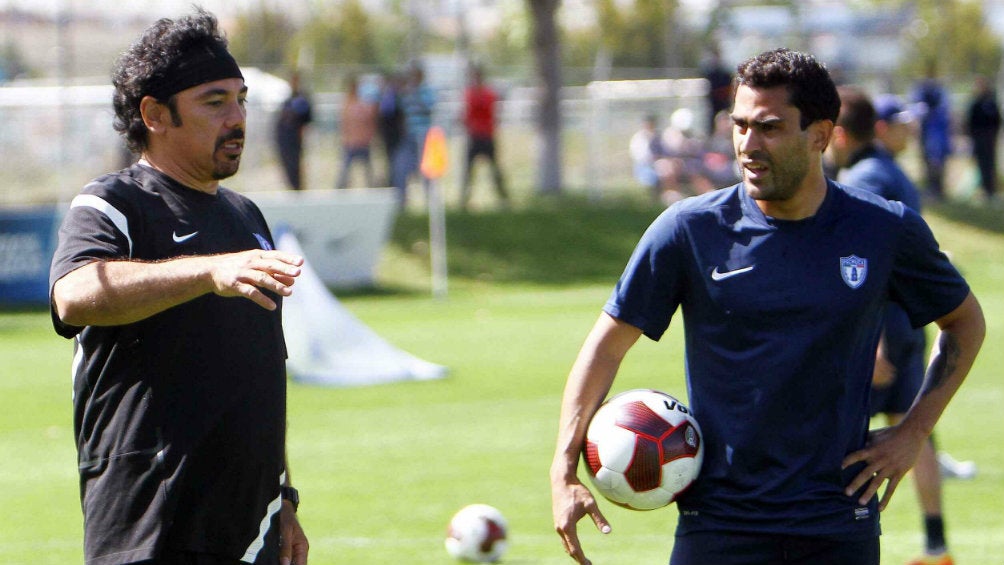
x=382, y=469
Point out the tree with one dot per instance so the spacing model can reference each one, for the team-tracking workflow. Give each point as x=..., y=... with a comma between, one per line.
x=346, y=37
x=507, y=46
x=260, y=38
x=390, y=32
x=956, y=37
x=612, y=30
x=647, y=34
x=342, y=36
x=547, y=53
x=635, y=36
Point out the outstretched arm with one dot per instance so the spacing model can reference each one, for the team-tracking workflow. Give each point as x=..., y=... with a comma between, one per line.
x=588, y=384
x=107, y=293
x=891, y=452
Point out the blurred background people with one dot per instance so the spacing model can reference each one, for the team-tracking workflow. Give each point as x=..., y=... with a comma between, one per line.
x=646, y=149
x=894, y=124
x=719, y=79
x=418, y=101
x=719, y=156
x=390, y=120
x=900, y=361
x=934, y=110
x=894, y=128
x=676, y=162
x=682, y=171
x=294, y=115
x=358, y=126
x=983, y=125
x=480, y=122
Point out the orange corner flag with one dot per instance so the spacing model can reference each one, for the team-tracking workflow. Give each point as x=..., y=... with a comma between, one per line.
x=434, y=155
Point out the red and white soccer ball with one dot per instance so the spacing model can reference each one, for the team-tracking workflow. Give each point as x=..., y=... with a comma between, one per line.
x=643, y=448
x=477, y=533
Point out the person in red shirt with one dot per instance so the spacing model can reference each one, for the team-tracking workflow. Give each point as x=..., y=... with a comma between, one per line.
x=479, y=120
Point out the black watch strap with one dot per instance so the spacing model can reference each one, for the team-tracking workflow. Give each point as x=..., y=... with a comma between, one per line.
x=292, y=495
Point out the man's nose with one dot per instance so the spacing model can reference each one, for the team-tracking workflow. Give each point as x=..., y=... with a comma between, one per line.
x=236, y=115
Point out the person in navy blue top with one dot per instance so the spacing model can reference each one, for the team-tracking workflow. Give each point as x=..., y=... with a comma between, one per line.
x=983, y=125
x=865, y=163
x=899, y=362
x=934, y=107
x=782, y=281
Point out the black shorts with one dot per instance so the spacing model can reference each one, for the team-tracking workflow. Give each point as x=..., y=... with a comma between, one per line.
x=716, y=548
x=191, y=558
x=480, y=146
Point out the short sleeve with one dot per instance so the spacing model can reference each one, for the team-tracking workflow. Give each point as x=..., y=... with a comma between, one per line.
x=648, y=292
x=924, y=282
x=92, y=230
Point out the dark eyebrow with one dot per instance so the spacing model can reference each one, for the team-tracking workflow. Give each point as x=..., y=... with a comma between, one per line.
x=768, y=121
x=773, y=120
x=220, y=92
x=213, y=92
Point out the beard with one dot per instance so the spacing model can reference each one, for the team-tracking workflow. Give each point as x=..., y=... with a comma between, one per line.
x=225, y=165
x=226, y=168
x=782, y=181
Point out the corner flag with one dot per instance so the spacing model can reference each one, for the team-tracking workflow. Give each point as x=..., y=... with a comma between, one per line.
x=434, y=163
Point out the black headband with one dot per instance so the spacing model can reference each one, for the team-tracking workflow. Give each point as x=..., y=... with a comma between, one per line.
x=198, y=65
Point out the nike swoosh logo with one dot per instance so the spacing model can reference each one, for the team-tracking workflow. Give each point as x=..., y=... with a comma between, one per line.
x=719, y=276
x=183, y=238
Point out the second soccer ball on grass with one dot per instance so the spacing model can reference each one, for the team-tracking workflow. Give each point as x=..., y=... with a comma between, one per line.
x=477, y=534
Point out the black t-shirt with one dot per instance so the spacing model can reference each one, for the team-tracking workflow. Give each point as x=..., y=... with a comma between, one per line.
x=179, y=418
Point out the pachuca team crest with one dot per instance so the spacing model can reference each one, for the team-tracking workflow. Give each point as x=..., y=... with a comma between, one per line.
x=853, y=270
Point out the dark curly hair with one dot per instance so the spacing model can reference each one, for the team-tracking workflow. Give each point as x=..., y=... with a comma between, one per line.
x=158, y=49
x=810, y=87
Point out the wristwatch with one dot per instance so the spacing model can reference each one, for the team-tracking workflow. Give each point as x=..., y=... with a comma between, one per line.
x=290, y=494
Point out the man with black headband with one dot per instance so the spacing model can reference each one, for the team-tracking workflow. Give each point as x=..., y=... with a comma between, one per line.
x=172, y=291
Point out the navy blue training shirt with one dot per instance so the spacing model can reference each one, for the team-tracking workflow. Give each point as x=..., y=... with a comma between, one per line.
x=781, y=321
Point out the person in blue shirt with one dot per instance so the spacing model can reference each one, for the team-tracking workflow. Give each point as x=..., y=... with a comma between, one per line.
x=865, y=162
x=894, y=123
x=782, y=280
x=899, y=362
x=418, y=102
x=933, y=104
x=894, y=127
x=294, y=116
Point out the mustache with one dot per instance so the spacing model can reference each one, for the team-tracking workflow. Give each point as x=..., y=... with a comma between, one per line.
x=235, y=135
x=755, y=155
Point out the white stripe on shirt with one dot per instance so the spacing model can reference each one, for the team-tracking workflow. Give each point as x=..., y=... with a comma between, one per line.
x=78, y=364
x=252, y=552
x=101, y=205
